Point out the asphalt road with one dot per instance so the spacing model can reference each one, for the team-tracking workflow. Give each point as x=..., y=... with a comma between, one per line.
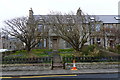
x=111, y=76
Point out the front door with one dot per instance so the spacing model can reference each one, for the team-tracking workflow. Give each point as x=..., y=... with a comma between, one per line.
x=55, y=44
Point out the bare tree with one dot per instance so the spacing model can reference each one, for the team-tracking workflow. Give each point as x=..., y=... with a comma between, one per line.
x=24, y=29
x=113, y=35
x=72, y=28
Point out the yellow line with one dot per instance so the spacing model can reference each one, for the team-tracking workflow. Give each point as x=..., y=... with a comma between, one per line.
x=40, y=76
x=5, y=77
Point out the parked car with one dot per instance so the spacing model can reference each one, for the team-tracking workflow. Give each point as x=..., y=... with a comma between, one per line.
x=4, y=50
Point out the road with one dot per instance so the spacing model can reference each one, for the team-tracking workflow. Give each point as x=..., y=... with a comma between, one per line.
x=111, y=76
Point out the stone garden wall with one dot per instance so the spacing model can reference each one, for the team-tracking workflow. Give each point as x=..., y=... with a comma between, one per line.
x=26, y=67
x=68, y=66
x=94, y=65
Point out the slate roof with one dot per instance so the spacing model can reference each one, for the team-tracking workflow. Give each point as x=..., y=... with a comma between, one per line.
x=108, y=18
x=105, y=18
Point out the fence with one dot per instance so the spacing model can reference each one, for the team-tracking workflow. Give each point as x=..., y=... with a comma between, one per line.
x=65, y=59
x=46, y=63
x=92, y=59
x=26, y=60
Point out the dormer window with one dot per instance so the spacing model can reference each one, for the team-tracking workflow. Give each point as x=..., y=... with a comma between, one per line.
x=92, y=18
x=41, y=19
x=117, y=17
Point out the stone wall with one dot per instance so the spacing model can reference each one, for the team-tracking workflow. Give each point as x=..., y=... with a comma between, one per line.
x=98, y=65
x=26, y=67
x=68, y=66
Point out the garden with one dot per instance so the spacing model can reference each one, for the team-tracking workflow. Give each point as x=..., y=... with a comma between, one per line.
x=90, y=53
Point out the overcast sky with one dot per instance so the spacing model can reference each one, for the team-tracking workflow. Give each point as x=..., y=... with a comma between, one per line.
x=17, y=8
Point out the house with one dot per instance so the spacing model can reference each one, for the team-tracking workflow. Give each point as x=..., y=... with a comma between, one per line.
x=103, y=34
x=10, y=43
x=107, y=33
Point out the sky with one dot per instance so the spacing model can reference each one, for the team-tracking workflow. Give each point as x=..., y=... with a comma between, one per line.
x=18, y=8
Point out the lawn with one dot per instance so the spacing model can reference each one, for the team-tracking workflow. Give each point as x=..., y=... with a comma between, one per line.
x=88, y=51
x=67, y=54
x=33, y=53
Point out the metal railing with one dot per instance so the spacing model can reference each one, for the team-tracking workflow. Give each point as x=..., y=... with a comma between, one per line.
x=92, y=59
x=64, y=60
x=26, y=60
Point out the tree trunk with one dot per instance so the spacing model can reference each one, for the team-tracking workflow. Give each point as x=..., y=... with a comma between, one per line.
x=28, y=49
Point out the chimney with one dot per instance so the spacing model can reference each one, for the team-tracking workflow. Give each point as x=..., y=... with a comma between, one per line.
x=31, y=13
x=79, y=12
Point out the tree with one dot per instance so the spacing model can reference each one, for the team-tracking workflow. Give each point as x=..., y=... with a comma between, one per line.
x=25, y=29
x=113, y=34
x=72, y=28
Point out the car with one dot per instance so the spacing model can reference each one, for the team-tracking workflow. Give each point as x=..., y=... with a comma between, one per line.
x=3, y=50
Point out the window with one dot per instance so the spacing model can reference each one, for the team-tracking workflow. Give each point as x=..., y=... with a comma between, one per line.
x=93, y=41
x=117, y=17
x=98, y=27
x=92, y=27
x=45, y=43
x=68, y=45
x=98, y=40
x=40, y=44
x=109, y=26
x=40, y=28
x=10, y=47
x=92, y=18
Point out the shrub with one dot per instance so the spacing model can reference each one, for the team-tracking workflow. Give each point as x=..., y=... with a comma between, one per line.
x=111, y=49
x=118, y=48
x=87, y=49
x=94, y=53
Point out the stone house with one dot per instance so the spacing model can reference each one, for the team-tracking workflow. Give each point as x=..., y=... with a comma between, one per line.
x=99, y=33
x=10, y=43
x=104, y=33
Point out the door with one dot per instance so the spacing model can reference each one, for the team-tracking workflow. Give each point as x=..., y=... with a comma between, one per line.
x=55, y=44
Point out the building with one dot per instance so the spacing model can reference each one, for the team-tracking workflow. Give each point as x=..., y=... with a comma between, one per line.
x=10, y=43
x=107, y=32
x=103, y=34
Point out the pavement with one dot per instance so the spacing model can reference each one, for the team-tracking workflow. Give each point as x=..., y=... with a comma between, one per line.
x=57, y=72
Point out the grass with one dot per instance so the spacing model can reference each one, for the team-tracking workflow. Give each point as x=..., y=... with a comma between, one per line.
x=66, y=50
x=90, y=50
x=45, y=53
x=33, y=53
x=66, y=54
x=41, y=52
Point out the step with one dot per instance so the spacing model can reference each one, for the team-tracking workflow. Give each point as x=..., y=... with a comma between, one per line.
x=57, y=64
x=57, y=68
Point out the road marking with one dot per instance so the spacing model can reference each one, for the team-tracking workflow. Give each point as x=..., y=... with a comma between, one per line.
x=5, y=77
x=40, y=76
